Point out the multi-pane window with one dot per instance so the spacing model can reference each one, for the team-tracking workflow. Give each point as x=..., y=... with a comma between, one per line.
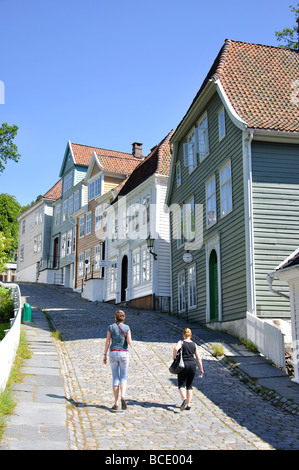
x=58, y=215
x=178, y=174
x=181, y=291
x=221, y=123
x=63, y=245
x=69, y=242
x=88, y=223
x=76, y=201
x=211, y=202
x=98, y=217
x=136, y=268
x=81, y=227
x=81, y=265
x=37, y=244
x=146, y=265
x=64, y=210
x=39, y=216
x=146, y=210
x=226, y=189
x=94, y=189
x=203, y=137
x=71, y=205
x=68, y=181
x=97, y=256
x=87, y=261
x=23, y=226
x=190, y=219
x=180, y=227
x=189, y=149
x=113, y=277
x=192, y=286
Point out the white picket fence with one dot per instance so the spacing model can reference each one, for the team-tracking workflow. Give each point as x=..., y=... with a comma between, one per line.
x=10, y=343
x=268, y=339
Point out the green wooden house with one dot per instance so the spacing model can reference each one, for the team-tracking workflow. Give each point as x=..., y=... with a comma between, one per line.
x=233, y=191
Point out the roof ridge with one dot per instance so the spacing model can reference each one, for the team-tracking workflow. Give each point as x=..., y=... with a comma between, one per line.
x=100, y=148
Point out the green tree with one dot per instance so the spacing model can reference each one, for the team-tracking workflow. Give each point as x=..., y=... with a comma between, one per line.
x=8, y=150
x=289, y=35
x=10, y=209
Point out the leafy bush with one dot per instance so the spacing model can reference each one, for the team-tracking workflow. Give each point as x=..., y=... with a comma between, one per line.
x=6, y=305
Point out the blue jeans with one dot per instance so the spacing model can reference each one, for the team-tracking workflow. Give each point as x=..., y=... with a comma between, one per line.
x=119, y=361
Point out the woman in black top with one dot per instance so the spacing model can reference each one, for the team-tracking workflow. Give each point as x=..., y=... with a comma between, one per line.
x=186, y=377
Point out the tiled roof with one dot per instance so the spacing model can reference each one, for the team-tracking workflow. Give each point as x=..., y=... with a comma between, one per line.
x=118, y=164
x=83, y=153
x=55, y=192
x=158, y=161
x=260, y=83
x=292, y=260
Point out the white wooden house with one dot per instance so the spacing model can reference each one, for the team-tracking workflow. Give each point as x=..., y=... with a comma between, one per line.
x=35, y=225
x=136, y=276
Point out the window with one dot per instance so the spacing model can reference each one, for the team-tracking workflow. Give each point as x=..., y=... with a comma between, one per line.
x=226, y=189
x=63, y=245
x=76, y=201
x=203, y=137
x=180, y=227
x=211, y=202
x=58, y=215
x=98, y=217
x=181, y=291
x=39, y=216
x=71, y=205
x=190, y=219
x=136, y=268
x=74, y=239
x=88, y=223
x=94, y=189
x=113, y=277
x=146, y=210
x=64, y=210
x=221, y=123
x=97, y=256
x=81, y=227
x=178, y=174
x=192, y=286
x=23, y=226
x=81, y=265
x=68, y=181
x=146, y=265
x=21, y=257
x=190, y=159
x=37, y=244
x=87, y=261
x=69, y=242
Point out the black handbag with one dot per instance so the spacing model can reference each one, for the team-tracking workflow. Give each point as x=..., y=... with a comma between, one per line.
x=178, y=364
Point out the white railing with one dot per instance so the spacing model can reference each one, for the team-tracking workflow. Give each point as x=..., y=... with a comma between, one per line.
x=268, y=339
x=10, y=343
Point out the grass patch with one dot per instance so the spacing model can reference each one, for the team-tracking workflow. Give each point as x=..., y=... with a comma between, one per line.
x=3, y=326
x=7, y=403
x=250, y=346
x=217, y=349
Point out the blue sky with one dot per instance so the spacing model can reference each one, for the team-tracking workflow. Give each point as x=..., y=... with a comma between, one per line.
x=108, y=73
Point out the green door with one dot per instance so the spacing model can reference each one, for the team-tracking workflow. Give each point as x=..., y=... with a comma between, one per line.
x=213, y=278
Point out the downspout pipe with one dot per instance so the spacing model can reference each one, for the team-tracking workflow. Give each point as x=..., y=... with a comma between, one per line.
x=277, y=292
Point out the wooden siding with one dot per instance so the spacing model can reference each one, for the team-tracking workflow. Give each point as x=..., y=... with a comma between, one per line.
x=231, y=227
x=275, y=174
x=111, y=183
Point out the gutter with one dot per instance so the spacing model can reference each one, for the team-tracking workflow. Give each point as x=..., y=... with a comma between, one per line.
x=270, y=281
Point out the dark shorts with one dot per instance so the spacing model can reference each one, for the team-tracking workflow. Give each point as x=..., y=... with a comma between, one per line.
x=186, y=377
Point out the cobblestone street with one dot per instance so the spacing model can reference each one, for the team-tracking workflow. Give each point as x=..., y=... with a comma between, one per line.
x=225, y=413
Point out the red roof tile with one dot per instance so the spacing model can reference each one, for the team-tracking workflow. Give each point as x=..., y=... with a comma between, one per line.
x=54, y=192
x=259, y=82
x=158, y=161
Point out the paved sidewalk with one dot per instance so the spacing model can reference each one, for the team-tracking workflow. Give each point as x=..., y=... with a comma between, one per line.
x=65, y=399
x=39, y=418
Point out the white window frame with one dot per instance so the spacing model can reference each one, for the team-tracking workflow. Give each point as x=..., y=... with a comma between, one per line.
x=189, y=149
x=192, y=294
x=65, y=209
x=211, y=202
x=98, y=253
x=81, y=264
x=68, y=181
x=76, y=201
x=202, y=137
x=136, y=267
x=98, y=217
x=70, y=205
x=226, y=189
x=189, y=216
x=87, y=257
x=63, y=245
x=180, y=227
x=88, y=223
x=81, y=227
x=69, y=241
x=181, y=291
x=178, y=173
x=221, y=123
x=113, y=277
x=146, y=265
x=58, y=215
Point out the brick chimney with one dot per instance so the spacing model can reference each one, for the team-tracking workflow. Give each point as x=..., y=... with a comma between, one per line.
x=137, y=150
